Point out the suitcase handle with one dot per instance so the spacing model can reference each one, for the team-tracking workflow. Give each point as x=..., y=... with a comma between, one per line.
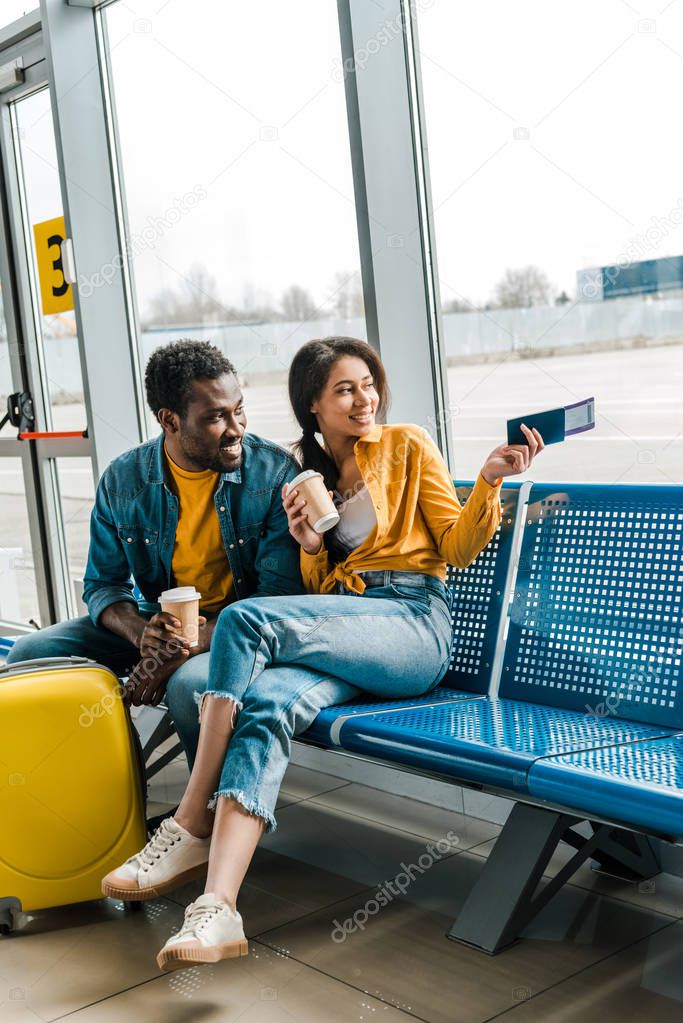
x=44, y=662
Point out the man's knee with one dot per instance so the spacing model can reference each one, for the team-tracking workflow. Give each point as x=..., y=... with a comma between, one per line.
x=77, y=637
x=35, y=645
x=191, y=678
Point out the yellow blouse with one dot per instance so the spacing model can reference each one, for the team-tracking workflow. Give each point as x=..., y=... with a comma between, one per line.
x=421, y=525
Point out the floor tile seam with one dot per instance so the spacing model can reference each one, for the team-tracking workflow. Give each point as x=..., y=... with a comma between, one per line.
x=340, y=785
x=577, y=973
x=106, y=998
x=391, y=827
x=325, y=792
x=603, y=895
x=485, y=842
x=373, y=820
x=312, y=912
x=347, y=983
x=290, y=802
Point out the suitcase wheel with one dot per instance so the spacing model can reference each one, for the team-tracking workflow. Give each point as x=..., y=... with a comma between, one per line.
x=10, y=908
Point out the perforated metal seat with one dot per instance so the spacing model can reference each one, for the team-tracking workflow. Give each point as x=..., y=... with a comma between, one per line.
x=640, y=784
x=492, y=742
x=477, y=595
x=592, y=658
x=595, y=623
x=327, y=726
x=593, y=652
x=478, y=600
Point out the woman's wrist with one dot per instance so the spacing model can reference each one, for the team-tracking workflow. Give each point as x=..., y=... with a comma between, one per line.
x=313, y=554
x=491, y=478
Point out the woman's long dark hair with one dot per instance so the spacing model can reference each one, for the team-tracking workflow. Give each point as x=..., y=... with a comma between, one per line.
x=308, y=374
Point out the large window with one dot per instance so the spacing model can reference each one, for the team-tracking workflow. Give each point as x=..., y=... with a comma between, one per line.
x=555, y=169
x=236, y=166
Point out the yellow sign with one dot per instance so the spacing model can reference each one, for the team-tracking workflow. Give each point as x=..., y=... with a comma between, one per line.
x=56, y=294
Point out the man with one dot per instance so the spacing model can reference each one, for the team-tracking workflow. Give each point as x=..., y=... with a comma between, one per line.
x=199, y=505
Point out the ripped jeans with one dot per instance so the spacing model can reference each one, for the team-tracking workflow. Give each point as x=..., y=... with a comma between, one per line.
x=282, y=659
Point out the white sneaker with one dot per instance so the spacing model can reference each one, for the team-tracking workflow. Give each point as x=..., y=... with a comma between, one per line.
x=171, y=858
x=211, y=931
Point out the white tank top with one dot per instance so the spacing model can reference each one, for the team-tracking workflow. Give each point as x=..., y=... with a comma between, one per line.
x=357, y=519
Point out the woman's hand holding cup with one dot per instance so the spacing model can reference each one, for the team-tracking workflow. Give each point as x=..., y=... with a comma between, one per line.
x=299, y=526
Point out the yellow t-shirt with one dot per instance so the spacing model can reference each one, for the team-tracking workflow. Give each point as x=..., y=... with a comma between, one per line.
x=199, y=557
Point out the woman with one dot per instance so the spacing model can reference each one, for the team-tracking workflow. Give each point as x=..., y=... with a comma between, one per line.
x=375, y=616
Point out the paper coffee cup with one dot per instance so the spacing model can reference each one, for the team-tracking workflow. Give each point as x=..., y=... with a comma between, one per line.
x=183, y=603
x=320, y=510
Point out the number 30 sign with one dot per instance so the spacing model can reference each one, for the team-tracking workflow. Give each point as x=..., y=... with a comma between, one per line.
x=55, y=292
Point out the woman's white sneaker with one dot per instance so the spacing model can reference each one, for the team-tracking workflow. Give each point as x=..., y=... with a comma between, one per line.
x=171, y=858
x=211, y=931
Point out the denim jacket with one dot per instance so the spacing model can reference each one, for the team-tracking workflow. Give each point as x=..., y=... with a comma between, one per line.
x=134, y=520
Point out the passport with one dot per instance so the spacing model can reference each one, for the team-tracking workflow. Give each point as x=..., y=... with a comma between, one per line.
x=556, y=424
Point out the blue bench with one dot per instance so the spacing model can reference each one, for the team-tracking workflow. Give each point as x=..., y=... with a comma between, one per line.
x=6, y=644
x=565, y=692
x=477, y=608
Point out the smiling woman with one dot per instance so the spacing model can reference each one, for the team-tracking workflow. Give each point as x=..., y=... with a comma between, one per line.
x=331, y=384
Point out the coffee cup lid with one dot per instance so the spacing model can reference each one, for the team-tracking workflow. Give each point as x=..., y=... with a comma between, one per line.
x=307, y=474
x=179, y=595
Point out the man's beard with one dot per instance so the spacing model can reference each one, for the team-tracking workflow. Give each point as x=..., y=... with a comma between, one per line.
x=208, y=459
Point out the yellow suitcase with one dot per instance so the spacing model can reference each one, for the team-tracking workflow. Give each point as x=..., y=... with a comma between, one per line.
x=72, y=799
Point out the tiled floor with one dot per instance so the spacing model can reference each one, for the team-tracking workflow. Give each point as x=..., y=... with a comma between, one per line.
x=322, y=949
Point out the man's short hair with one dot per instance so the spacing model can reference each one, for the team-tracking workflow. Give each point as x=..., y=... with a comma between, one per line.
x=172, y=369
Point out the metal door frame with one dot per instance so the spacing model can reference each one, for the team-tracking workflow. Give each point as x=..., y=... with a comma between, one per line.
x=24, y=39
x=62, y=49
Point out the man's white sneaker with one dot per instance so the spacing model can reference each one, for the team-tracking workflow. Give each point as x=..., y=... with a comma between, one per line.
x=171, y=858
x=211, y=931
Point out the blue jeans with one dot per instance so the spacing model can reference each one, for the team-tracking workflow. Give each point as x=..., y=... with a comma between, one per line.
x=282, y=659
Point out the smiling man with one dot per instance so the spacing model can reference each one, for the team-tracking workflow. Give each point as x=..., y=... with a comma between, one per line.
x=199, y=505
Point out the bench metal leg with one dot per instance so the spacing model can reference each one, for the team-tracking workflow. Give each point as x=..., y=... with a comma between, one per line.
x=505, y=898
x=154, y=726
x=626, y=855
x=164, y=759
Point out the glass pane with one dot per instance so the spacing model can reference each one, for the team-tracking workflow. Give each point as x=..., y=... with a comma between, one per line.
x=10, y=10
x=57, y=331
x=18, y=595
x=235, y=153
x=77, y=494
x=538, y=177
